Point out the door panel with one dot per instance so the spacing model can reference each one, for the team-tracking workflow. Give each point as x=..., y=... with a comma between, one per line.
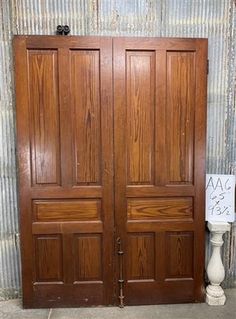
x=180, y=94
x=140, y=257
x=160, y=208
x=67, y=210
x=86, y=117
x=48, y=258
x=65, y=146
x=44, y=115
x=159, y=107
x=179, y=255
x=140, y=120
x=88, y=258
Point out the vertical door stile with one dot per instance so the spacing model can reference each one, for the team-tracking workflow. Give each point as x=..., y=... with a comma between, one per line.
x=107, y=137
x=66, y=150
x=119, y=151
x=160, y=153
x=23, y=161
x=65, y=116
x=199, y=160
x=161, y=116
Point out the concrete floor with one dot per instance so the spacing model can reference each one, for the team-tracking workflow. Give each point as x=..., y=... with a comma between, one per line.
x=12, y=310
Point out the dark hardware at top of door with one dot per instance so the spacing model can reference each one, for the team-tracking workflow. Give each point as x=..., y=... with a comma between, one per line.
x=63, y=29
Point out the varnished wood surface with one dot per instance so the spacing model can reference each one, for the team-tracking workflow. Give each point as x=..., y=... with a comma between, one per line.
x=160, y=212
x=180, y=116
x=66, y=210
x=44, y=113
x=140, y=256
x=88, y=258
x=160, y=208
x=65, y=146
x=67, y=90
x=86, y=123
x=140, y=119
x=48, y=258
x=67, y=227
x=179, y=255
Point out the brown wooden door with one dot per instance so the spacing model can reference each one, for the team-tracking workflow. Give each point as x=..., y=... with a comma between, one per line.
x=65, y=155
x=160, y=105
x=69, y=219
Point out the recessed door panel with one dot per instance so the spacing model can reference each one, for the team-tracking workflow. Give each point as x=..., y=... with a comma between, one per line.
x=44, y=116
x=141, y=257
x=179, y=255
x=86, y=116
x=66, y=210
x=48, y=258
x=88, y=258
x=180, y=108
x=140, y=79
x=160, y=208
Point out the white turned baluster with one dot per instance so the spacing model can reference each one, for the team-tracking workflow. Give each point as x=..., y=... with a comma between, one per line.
x=215, y=269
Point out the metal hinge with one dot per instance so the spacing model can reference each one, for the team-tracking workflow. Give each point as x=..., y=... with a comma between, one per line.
x=207, y=66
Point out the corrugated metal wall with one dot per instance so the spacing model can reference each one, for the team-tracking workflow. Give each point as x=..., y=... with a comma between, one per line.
x=215, y=19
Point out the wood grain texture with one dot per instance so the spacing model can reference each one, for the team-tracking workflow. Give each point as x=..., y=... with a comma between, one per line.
x=155, y=226
x=140, y=116
x=160, y=208
x=199, y=164
x=179, y=254
x=178, y=141
x=44, y=110
x=88, y=261
x=140, y=256
x=67, y=227
x=48, y=258
x=55, y=98
x=180, y=116
x=66, y=210
x=86, y=118
x=157, y=91
x=24, y=166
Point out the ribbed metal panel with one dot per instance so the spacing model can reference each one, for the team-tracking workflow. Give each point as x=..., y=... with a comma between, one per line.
x=214, y=19
x=9, y=243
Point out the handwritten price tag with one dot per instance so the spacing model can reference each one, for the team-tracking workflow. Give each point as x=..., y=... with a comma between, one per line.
x=220, y=192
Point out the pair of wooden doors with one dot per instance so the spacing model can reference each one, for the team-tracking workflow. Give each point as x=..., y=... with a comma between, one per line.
x=111, y=151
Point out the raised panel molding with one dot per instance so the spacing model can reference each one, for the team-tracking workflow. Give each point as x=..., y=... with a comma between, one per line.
x=48, y=258
x=180, y=105
x=160, y=208
x=44, y=112
x=140, y=116
x=88, y=257
x=66, y=210
x=141, y=256
x=179, y=255
x=86, y=117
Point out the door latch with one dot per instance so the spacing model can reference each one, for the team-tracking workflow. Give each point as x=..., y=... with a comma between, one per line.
x=120, y=280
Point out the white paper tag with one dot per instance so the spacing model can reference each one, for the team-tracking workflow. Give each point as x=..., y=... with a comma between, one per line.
x=220, y=194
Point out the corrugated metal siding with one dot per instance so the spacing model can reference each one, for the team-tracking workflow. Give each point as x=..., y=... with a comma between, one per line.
x=9, y=243
x=215, y=19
